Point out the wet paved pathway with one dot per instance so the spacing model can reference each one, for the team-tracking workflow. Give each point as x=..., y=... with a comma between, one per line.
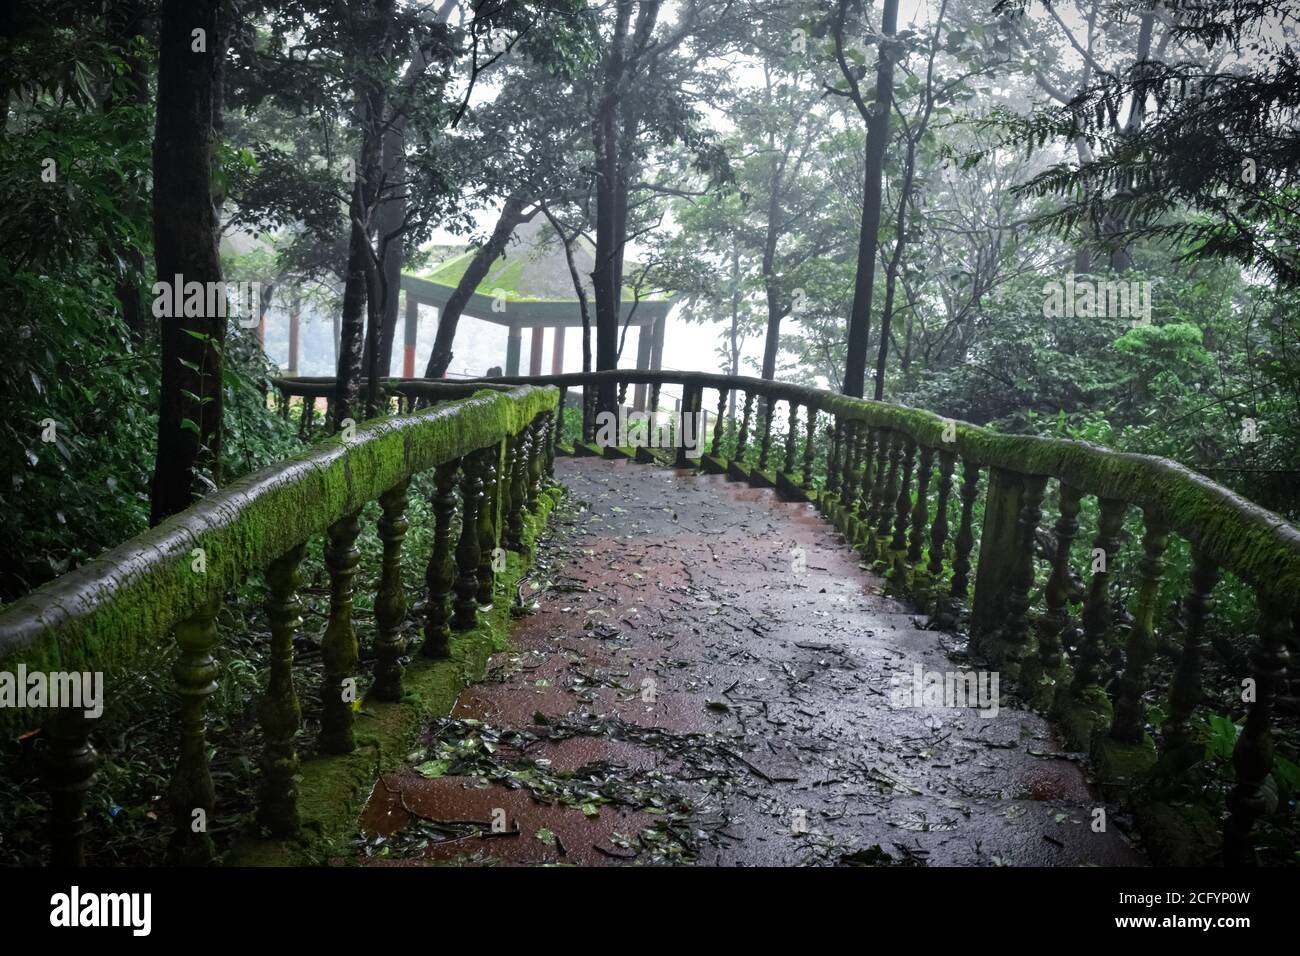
x=707, y=678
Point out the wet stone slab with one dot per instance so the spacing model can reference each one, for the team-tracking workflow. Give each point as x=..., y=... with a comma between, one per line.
x=708, y=676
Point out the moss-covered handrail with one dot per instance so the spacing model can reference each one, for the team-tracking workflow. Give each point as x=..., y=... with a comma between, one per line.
x=109, y=612
x=888, y=482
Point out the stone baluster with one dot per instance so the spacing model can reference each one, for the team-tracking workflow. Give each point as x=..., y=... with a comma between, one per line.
x=809, y=446
x=716, y=448
x=487, y=522
x=963, y=543
x=890, y=498
x=439, y=576
x=279, y=711
x=519, y=490
x=536, y=461
x=921, y=510
x=902, y=514
x=742, y=439
x=1090, y=667
x=880, y=479
x=68, y=770
x=765, y=445
x=1252, y=757
x=791, y=434
x=465, y=612
x=1013, y=637
x=390, y=603
x=1056, y=593
x=866, y=486
x=191, y=795
x=1185, y=687
x=1129, y=725
x=339, y=648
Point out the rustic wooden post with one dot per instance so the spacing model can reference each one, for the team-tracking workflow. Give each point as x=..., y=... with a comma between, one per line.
x=339, y=648
x=1128, y=726
x=279, y=711
x=1185, y=687
x=438, y=576
x=1252, y=757
x=191, y=796
x=68, y=770
x=390, y=603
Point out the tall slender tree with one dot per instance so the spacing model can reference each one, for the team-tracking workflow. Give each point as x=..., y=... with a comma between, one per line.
x=876, y=116
x=185, y=245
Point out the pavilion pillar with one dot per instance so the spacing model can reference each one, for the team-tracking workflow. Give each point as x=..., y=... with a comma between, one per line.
x=557, y=351
x=657, y=347
x=644, y=341
x=409, y=336
x=535, y=351
x=514, y=344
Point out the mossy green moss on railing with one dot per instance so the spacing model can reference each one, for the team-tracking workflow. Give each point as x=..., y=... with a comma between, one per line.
x=171, y=579
x=115, y=606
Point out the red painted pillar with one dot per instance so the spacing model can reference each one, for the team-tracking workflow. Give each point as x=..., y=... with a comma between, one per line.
x=412, y=329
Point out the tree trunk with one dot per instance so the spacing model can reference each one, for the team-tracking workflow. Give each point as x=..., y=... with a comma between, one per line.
x=775, y=313
x=185, y=244
x=855, y=365
x=606, y=271
x=357, y=303
x=735, y=326
x=441, y=356
x=391, y=217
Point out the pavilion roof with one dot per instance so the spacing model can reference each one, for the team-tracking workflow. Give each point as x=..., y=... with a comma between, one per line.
x=532, y=269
